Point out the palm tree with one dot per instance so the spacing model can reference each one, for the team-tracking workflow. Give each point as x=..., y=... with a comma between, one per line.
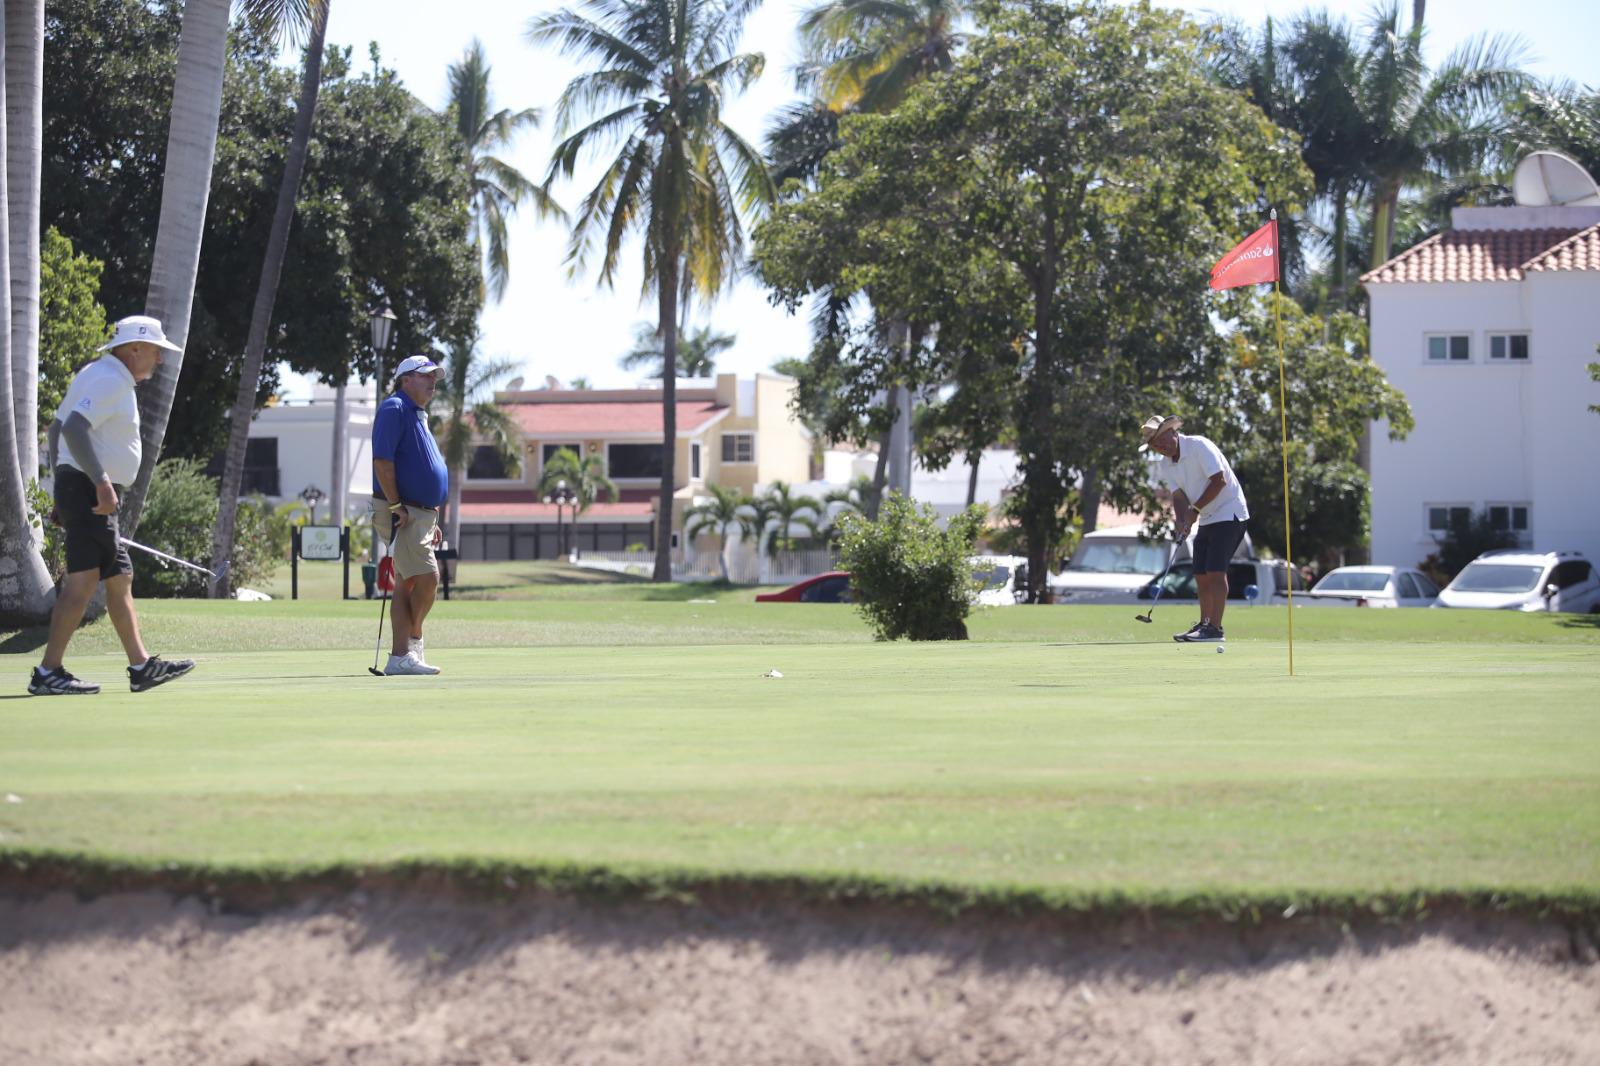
x=586, y=477
x=185, y=188
x=255, y=348
x=855, y=498
x=24, y=84
x=786, y=510
x=663, y=70
x=725, y=511
x=1421, y=123
x=471, y=416
x=497, y=187
x=25, y=590
x=697, y=352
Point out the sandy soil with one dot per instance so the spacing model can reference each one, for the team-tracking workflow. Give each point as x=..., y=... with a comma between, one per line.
x=401, y=979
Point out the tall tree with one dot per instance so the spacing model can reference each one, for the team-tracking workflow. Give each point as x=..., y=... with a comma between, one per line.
x=24, y=74
x=255, y=349
x=1421, y=123
x=497, y=186
x=185, y=191
x=662, y=69
x=697, y=351
x=471, y=416
x=24, y=581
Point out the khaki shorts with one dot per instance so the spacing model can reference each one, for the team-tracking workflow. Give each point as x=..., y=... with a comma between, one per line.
x=413, y=545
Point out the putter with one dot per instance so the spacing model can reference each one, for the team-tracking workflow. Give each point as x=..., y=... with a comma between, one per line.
x=214, y=575
x=1156, y=596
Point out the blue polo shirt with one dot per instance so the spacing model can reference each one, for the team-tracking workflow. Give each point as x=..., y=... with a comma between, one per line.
x=400, y=434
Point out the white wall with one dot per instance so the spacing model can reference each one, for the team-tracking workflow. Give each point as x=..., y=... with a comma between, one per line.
x=305, y=451
x=1488, y=433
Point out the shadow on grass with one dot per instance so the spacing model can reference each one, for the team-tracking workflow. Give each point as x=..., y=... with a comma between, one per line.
x=21, y=641
x=1581, y=621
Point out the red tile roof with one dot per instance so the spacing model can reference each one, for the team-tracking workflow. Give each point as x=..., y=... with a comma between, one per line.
x=1581, y=251
x=1491, y=255
x=545, y=420
x=546, y=512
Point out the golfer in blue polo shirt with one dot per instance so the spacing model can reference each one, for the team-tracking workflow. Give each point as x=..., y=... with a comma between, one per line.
x=409, y=485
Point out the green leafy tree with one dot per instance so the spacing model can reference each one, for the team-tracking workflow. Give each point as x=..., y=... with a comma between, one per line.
x=912, y=580
x=726, y=510
x=1337, y=392
x=1055, y=201
x=697, y=352
x=1561, y=118
x=72, y=325
x=682, y=176
x=497, y=186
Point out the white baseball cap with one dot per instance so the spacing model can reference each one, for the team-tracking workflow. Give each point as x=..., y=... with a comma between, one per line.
x=416, y=364
x=136, y=328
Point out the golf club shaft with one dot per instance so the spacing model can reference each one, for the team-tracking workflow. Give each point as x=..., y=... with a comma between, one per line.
x=168, y=558
x=1155, y=597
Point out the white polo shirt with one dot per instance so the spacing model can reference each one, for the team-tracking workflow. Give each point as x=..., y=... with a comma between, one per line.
x=1198, y=460
x=103, y=393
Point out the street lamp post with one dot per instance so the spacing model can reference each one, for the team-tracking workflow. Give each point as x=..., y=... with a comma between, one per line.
x=562, y=496
x=313, y=496
x=382, y=322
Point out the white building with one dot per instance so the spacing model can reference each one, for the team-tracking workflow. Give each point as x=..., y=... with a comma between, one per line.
x=1488, y=328
x=291, y=448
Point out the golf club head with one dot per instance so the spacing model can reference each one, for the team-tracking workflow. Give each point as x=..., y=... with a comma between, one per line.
x=374, y=671
x=1143, y=618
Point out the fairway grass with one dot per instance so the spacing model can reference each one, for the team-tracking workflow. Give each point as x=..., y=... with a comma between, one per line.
x=1068, y=752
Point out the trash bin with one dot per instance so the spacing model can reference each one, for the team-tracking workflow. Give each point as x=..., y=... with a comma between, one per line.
x=369, y=578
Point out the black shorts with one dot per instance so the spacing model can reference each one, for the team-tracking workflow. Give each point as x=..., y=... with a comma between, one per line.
x=93, y=540
x=1215, y=544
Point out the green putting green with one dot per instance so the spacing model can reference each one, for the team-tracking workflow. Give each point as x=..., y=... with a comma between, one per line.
x=1064, y=750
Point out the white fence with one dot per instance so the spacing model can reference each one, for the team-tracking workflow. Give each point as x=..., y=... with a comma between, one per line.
x=744, y=568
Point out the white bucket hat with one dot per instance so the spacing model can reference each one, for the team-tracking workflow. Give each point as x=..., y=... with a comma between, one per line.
x=1156, y=425
x=416, y=364
x=137, y=328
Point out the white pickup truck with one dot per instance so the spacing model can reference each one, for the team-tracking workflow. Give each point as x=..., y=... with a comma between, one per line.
x=1112, y=565
x=1270, y=578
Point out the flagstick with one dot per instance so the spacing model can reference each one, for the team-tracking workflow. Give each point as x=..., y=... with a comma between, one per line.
x=1283, y=424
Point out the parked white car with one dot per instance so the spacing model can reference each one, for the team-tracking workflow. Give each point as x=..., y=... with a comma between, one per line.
x=1526, y=581
x=1374, y=586
x=1269, y=576
x=1111, y=565
x=999, y=576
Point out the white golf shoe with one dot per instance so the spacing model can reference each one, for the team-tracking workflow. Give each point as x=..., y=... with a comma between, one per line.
x=408, y=664
x=414, y=646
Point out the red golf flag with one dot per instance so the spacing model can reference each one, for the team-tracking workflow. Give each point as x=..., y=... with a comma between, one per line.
x=1252, y=261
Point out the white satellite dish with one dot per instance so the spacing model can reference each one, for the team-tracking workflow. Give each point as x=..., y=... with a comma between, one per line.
x=514, y=385
x=1550, y=179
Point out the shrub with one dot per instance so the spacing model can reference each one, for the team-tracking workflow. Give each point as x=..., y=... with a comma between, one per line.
x=180, y=517
x=912, y=579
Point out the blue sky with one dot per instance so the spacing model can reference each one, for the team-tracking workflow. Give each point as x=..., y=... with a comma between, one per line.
x=549, y=324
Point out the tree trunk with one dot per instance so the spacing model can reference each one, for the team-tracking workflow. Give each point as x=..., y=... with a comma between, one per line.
x=24, y=63
x=1341, y=235
x=453, y=522
x=25, y=592
x=1041, y=479
x=339, y=481
x=880, y=476
x=974, y=461
x=1089, y=500
x=185, y=189
x=1386, y=198
x=669, y=411
x=255, y=349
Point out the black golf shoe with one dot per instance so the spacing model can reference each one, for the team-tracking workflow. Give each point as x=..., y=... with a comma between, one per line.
x=157, y=671
x=1188, y=634
x=58, y=682
x=1207, y=634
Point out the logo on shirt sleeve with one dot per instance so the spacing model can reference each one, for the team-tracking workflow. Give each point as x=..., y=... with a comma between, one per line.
x=85, y=404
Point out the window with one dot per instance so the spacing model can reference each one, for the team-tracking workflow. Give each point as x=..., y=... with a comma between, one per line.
x=634, y=460
x=546, y=451
x=1408, y=588
x=738, y=447
x=1510, y=518
x=260, y=472
x=1427, y=586
x=694, y=460
x=1570, y=573
x=1442, y=516
x=1449, y=347
x=1508, y=347
x=487, y=464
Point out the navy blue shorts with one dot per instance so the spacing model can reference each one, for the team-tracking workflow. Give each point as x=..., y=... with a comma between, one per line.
x=93, y=540
x=1214, y=545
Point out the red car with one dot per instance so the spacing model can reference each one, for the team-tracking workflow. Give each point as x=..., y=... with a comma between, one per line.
x=832, y=587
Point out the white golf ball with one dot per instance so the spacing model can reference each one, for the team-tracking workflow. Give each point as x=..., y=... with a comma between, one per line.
x=1220, y=649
